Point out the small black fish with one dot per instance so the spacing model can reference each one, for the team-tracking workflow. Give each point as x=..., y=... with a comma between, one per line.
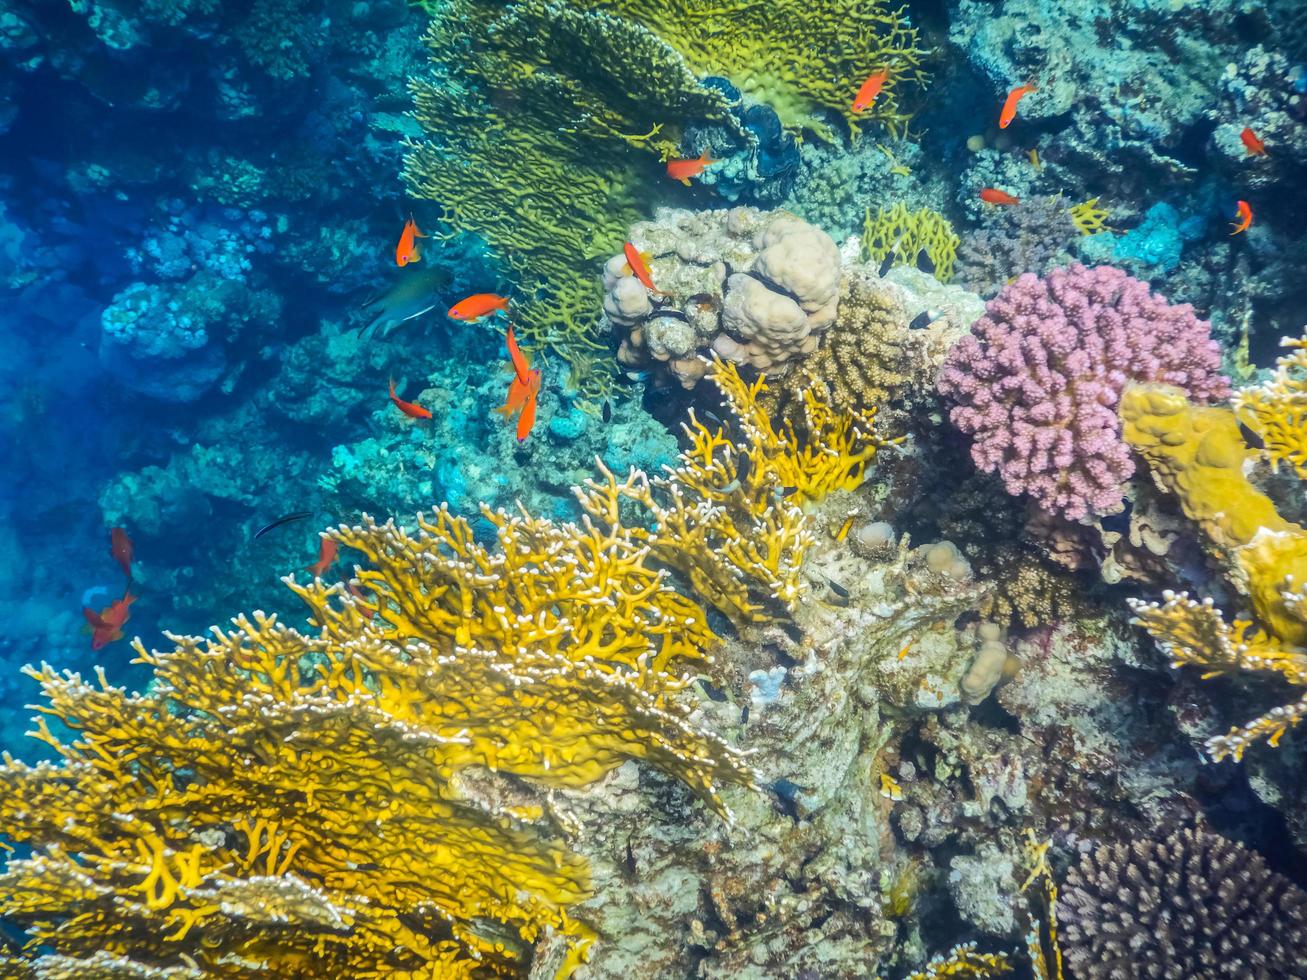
x=838, y=589
x=785, y=795
x=299, y=515
x=743, y=464
x=607, y=411
x=630, y=857
x=888, y=264
x=1251, y=438
x=711, y=416
x=789, y=491
x=925, y=263
x=921, y=321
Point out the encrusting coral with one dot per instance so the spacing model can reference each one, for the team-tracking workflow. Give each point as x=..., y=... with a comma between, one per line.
x=1198, y=453
x=1277, y=410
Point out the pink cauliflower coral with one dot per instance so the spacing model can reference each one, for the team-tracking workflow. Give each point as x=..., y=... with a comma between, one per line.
x=1037, y=382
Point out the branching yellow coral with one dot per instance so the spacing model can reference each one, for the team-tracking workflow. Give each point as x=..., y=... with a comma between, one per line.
x=903, y=234
x=728, y=517
x=1089, y=218
x=1277, y=410
x=1196, y=634
x=964, y=962
x=364, y=800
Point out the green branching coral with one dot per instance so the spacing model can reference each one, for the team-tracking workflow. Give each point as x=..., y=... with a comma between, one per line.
x=905, y=233
x=801, y=58
x=545, y=123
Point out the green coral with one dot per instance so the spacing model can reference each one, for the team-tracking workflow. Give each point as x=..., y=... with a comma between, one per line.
x=905, y=234
x=805, y=60
x=545, y=126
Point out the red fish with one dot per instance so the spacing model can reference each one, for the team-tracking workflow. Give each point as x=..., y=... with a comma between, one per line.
x=683, y=170
x=1256, y=148
x=639, y=263
x=352, y=588
x=326, y=557
x=992, y=196
x=522, y=391
x=1245, y=218
x=407, y=249
x=120, y=550
x=1010, y=106
x=476, y=306
x=870, y=89
x=408, y=408
x=107, y=624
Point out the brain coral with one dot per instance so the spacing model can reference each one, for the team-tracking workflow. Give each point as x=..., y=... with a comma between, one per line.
x=1038, y=381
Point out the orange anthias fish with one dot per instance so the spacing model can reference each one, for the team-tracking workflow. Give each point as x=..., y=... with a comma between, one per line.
x=407, y=249
x=639, y=263
x=1245, y=218
x=476, y=306
x=408, y=408
x=107, y=624
x=683, y=170
x=120, y=549
x=870, y=89
x=326, y=557
x=1010, y=106
x=1256, y=148
x=991, y=195
x=522, y=391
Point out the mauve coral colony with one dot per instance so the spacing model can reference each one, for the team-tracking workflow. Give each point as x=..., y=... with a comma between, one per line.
x=1037, y=383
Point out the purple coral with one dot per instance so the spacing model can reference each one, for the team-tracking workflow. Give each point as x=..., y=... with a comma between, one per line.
x=1038, y=381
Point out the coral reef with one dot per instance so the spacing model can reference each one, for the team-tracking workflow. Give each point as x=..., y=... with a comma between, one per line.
x=1037, y=383
x=1277, y=409
x=901, y=236
x=1187, y=903
x=754, y=288
x=1032, y=236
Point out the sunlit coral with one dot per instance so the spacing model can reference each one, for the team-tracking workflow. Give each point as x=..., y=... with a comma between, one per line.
x=1277, y=410
x=904, y=234
x=964, y=961
x=728, y=517
x=366, y=797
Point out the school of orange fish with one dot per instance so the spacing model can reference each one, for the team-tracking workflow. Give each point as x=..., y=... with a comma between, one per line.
x=107, y=625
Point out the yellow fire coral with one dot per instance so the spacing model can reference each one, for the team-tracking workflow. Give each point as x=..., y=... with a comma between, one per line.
x=1277, y=410
x=902, y=233
x=964, y=961
x=360, y=801
x=728, y=519
x=1088, y=217
x=1197, y=452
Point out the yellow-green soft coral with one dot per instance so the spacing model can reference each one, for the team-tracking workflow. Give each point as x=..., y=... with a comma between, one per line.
x=546, y=127
x=903, y=234
x=801, y=58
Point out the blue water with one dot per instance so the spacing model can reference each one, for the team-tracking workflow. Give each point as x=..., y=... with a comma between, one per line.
x=200, y=204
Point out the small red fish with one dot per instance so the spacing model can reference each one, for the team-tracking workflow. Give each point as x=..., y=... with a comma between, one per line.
x=352, y=588
x=326, y=557
x=476, y=306
x=1245, y=218
x=1256, y=148
x=522, y=391
x=120, y=550
x=683, y=170
x=1010, y=106
x=639, y=263
x=407, y=250
x=870, y=89
x=107, y=624
x=408, y=408
x=992, y=196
